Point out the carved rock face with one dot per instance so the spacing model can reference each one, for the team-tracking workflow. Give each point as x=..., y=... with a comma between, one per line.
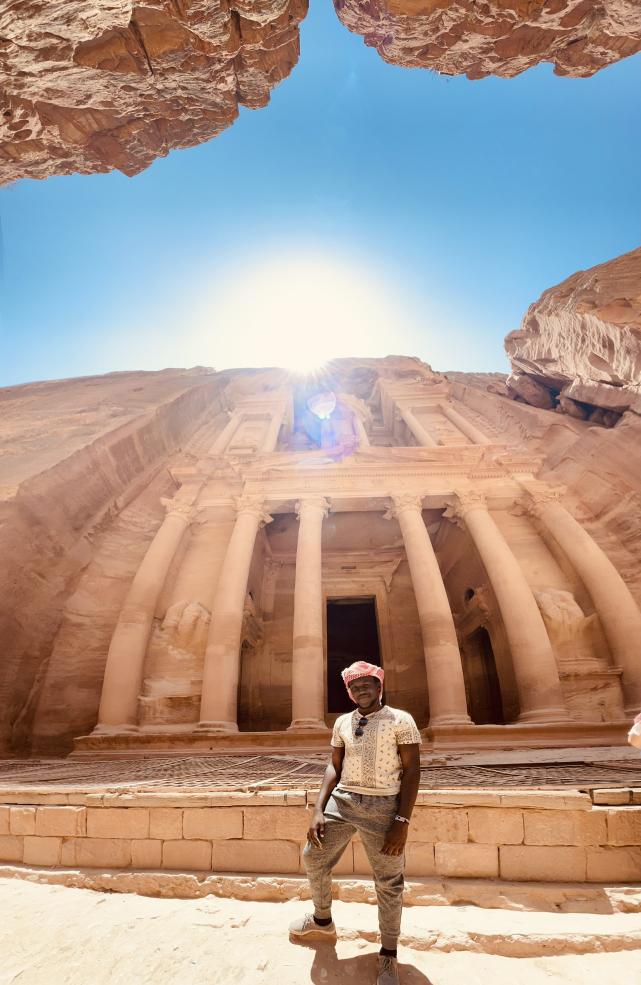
x=497, y=37
x=582, y=340
x=113, y=84
x=93, y=87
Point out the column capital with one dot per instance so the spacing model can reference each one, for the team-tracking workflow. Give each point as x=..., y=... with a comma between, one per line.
x=312, y=503
x=253, y=506
x=536, y=497
x=181, y=508
x=465, y=500
x=402, y=502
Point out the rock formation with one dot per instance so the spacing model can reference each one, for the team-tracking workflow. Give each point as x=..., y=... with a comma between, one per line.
x=74, y=453
x=142, y=512
x=579, y=345
x=497, y=37
x=118, y=83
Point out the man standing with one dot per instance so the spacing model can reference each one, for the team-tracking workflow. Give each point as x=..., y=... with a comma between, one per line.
x=369, y=787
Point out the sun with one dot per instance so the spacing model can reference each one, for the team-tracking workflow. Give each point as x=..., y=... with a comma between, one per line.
x=303, y=363
x=298, y=310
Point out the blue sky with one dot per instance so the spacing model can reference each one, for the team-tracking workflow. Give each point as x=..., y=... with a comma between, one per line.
x=369, y=209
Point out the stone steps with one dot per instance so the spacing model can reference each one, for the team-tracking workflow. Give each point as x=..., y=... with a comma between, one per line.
x=462, y=894
x=251, y=929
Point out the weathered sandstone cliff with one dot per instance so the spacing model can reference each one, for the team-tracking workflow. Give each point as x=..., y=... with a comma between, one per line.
x=497, y=37
x=116, y=83
x=74, y=453
x=579, y=346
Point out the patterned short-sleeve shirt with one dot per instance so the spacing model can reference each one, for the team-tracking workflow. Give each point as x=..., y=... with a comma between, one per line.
x=372, y=764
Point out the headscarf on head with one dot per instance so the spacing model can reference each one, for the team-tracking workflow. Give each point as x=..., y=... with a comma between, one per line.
x=361, y=669
x=634, y=735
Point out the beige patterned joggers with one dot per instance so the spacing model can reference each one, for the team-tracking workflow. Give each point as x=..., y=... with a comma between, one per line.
x=347, y=813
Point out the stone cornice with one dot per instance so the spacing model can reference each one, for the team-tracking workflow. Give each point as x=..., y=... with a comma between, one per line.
x=477, y=461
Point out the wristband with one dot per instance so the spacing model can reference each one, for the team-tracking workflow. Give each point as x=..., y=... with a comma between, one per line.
x=399, y=817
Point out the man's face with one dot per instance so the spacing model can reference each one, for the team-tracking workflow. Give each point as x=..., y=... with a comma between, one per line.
x=366, y=690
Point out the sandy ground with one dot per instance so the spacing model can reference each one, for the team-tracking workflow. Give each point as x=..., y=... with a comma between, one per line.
x=54, y=935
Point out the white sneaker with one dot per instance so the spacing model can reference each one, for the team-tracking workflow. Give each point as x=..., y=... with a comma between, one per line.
x=307, y=927
x=387, y=970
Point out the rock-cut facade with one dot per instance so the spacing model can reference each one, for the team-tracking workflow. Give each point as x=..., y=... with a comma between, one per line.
x=198, y=573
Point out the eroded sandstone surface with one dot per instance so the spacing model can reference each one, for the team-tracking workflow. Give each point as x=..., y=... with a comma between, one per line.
x=122, y=82
x=73, y=453
x=497, y=37
x=118, y=83
x=579, y=346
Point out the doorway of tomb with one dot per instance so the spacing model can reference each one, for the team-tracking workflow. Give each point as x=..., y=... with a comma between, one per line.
x=485, y=705
x=352, y=634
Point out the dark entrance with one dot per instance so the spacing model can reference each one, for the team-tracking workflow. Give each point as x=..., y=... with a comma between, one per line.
x=352, y=634
x=481, y=680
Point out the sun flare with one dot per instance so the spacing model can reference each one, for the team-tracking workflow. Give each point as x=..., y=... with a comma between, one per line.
x=298, y=310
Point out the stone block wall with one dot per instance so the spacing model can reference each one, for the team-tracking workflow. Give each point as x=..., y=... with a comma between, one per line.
x=513, y=836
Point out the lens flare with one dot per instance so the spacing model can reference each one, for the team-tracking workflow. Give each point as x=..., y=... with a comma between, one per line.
x=298, y=310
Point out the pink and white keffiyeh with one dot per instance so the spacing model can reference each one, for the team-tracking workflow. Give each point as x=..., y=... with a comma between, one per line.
x=634, y=735
x=361, y=669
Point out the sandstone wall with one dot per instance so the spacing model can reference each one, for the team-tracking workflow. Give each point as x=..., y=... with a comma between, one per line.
x=117, y=83
x=498, y=37
x=600, y=468
x=514, y=835
x=173, y=670
x=576, y=362
x=66, y=474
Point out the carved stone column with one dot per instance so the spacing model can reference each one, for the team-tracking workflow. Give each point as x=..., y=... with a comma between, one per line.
x=225, y=436
x=535, y=669
x=308, y=674
x=445, y=683
x=363, y=437
x=221, y=672
x=465, y=426
x=618, y=612
x=127, y=650
x=360, y=414
x=271, y=438
x=422, y=436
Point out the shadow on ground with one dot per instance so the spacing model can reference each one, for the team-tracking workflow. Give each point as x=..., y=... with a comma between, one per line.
x=328, y=969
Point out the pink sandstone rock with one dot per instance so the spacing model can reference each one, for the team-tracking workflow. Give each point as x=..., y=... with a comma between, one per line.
x=120, y=83
x=118, y=536
x=73, y=452
x=497, y=37
x=113, y=85
x=582, y=340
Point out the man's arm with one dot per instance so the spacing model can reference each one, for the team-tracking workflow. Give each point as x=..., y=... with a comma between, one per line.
x=332, y=776
x=397, y=834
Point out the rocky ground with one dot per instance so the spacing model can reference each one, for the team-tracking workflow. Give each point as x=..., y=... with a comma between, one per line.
x=76, y=937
